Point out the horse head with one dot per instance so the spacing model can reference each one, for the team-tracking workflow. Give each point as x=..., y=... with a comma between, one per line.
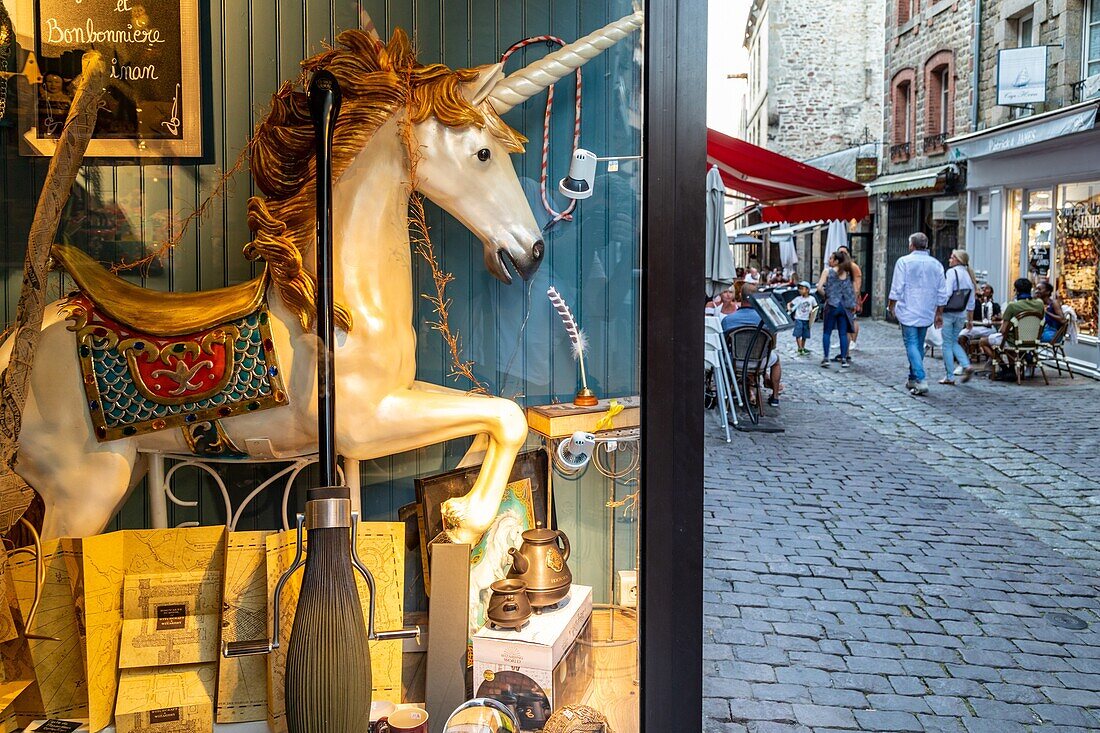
x=466, y=169
x=468, y=172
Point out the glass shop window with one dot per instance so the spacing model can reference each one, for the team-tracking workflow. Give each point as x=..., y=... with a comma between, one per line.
x=1078, y=241
x=525, y=547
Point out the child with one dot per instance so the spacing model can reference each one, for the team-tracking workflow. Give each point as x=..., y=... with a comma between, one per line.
x=801, y=307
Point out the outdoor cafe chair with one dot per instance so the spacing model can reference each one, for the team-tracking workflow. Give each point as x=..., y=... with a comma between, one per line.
x=1025, y=350
x=739, y=341
x=718, y=358
x=1055, y=352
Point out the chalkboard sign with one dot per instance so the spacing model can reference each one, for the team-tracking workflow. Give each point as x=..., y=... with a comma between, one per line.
x=151, y=105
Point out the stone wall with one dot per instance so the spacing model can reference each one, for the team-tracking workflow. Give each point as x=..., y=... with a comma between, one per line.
x=1060, y=26
x=821, y=71
x=937, y=27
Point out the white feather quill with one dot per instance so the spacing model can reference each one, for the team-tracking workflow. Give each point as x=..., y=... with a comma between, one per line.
x=577, y=337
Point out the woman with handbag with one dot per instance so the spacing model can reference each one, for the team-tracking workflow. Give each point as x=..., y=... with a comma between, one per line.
x=836, y=286
x=957, y=315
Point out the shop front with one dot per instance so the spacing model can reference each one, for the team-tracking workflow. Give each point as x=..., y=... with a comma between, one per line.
x=367, y=386
x=1034, y=200
x=924, y=200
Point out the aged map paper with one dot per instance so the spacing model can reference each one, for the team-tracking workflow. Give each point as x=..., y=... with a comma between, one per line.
x=170, y=619
x=58, y=665
x=381, y=547
x=177, y=698
x=108, y=559
x=242, y=681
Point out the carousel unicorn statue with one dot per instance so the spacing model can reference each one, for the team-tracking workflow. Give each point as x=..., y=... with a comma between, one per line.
x=122, y=370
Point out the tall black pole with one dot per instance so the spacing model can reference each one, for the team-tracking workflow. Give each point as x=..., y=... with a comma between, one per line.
x=324, y=103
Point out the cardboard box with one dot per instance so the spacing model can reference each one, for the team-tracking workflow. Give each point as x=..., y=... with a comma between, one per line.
x=546, y=664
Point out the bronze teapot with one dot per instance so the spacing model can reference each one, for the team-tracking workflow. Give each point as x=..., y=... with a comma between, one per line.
x=508, y=606
x=540, y=563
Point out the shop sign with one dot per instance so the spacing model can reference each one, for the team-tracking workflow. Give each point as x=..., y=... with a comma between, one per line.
x=1081, y=218
x=151, y=106
x=866, y=169
x=1022, y=75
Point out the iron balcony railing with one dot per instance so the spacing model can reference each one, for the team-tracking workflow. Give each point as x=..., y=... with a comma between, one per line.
x=935, y=143
x=900, y=151
x=1076, y=91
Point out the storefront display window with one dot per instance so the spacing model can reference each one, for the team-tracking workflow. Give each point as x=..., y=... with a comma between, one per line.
x=1030, y=226
x=491, y=284
x=1078, y=245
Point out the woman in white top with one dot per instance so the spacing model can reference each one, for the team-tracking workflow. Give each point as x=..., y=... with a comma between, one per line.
x=959, y=278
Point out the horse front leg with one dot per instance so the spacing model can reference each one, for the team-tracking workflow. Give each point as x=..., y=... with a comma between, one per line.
x=429, y=414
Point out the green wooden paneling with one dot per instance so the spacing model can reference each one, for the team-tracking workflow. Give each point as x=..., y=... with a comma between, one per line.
x=593, y=260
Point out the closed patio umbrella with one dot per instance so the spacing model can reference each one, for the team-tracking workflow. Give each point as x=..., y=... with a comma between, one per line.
x=720, y=269
x=837, y=235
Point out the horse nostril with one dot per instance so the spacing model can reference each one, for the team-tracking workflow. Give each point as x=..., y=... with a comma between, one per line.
x=536, y=250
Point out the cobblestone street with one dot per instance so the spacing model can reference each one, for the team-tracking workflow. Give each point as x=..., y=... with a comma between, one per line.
x=892, y=563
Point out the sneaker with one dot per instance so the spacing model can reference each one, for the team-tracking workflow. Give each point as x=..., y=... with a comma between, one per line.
x=773, y=401
x=910, y=383
x=919, y=388
x=824, y=363
x=967, y=374
x=958, y=371
x=836, y=358
x=845, y=363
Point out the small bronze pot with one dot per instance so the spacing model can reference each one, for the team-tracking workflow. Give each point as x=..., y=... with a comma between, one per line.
x=509, y=607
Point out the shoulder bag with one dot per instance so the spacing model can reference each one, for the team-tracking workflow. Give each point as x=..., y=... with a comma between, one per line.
x=959, y=297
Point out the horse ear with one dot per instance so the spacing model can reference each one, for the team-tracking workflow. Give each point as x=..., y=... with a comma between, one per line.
x=367, y=25
x=477, y=90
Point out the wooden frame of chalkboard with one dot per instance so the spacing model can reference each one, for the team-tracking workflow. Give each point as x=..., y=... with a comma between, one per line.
x=153, y=104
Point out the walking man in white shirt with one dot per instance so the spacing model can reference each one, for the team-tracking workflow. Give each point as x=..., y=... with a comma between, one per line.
x=917, y=297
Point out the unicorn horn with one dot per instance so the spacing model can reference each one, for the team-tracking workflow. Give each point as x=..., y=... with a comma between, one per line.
x=521, y=85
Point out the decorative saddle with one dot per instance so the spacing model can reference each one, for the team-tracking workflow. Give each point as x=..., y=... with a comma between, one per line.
x=154, y=360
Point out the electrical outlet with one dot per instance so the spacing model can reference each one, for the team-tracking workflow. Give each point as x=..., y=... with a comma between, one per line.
x=628, y=588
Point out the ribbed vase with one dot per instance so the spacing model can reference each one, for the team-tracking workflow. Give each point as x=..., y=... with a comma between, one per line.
x=328, y=676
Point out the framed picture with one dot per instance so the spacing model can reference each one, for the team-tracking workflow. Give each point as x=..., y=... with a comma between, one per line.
x=772, y=311
x=530, y=467
x=151, y=107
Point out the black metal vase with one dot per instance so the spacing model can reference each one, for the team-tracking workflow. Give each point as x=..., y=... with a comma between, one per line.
x=328, y=675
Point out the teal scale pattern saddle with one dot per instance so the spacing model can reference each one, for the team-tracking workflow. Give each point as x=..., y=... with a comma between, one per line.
x=137, y=383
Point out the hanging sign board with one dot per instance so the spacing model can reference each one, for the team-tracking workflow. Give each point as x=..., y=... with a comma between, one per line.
x=151, y=106
x=1022, y=76
x=866, y=169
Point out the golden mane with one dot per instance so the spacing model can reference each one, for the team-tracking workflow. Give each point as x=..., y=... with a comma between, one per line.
x=376, y=80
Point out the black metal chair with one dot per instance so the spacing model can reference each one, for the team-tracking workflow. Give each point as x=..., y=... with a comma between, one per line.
x=1055, y=351
x=739, y=341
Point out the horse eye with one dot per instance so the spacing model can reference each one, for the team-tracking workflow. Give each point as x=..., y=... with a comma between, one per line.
x=483, y=154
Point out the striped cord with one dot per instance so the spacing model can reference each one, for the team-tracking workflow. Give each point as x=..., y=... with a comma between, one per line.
x=556, y=216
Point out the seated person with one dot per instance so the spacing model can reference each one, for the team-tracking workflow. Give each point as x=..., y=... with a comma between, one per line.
x=1025, y=302
x=1053, y=317
x=986, y=317
x=727, y=305
x=746, y=315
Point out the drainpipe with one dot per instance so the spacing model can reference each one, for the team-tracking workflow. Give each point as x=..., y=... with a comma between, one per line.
x=976, y=50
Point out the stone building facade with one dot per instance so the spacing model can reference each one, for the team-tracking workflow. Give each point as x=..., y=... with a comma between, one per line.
x=1059, y=25
x=927, y=98
x=815, y=81
x=1032, y=177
